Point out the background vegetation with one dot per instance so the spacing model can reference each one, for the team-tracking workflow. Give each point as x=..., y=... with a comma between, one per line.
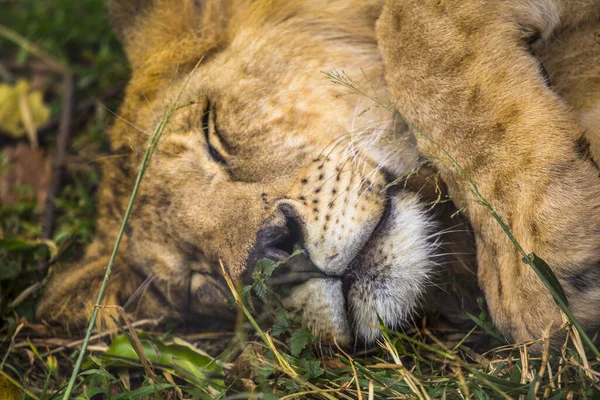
x=43, y=42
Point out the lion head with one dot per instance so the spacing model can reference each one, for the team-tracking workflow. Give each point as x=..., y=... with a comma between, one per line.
x=262, y=155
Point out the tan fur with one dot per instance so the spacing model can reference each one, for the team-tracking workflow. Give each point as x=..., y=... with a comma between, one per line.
x=480, y=95
x=294, y=141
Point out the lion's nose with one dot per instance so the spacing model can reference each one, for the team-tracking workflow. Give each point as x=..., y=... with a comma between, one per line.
x=283, y=242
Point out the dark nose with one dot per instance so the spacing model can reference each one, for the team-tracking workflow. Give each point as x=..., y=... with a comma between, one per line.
x=283, y=243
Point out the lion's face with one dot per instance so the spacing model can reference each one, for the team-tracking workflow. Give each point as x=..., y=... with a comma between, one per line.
x=265, y=155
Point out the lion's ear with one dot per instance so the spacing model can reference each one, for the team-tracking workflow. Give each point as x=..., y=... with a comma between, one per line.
x=149, y=27
x=125, y=13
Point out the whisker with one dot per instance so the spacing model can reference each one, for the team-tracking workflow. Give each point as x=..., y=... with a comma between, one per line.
x=139, y=291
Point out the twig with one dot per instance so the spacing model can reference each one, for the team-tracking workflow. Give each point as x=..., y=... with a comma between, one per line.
x=301, y=395
x=81, y=109
x=56, y=65
x=358, y=391
x=103, y=334
x=11, y=345
x=62, y=143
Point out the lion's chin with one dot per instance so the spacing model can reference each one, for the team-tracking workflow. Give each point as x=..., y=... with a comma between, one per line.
x=387, y=282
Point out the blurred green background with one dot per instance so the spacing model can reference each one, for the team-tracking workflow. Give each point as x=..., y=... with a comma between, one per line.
x=77, y=35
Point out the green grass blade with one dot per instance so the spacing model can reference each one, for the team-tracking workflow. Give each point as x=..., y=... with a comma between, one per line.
x=156, y=135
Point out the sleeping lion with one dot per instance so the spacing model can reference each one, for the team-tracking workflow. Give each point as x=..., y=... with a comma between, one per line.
x=265, y=154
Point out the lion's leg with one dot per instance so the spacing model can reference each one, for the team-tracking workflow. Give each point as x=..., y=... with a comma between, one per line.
x=573, y=64
x=463, y=75
x=572, y=60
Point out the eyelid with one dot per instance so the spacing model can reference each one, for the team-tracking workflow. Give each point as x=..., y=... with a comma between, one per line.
x=215, y=147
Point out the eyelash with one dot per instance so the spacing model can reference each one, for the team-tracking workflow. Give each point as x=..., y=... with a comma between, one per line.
x=206, y=119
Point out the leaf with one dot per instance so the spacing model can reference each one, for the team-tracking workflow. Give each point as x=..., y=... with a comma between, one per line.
x=142, y=392
x=8, y=390
x=266, y=267
x=260, y=289
x=502, y=384
x=281, y=324
x=12, y=244
x=487, y=327
x=99, y=372
x=312, y=368
x=179, y=360
x=12, y=326
x=8, y=270
x=20, y=107
x=544, y=272
x=246, y=297
x=290, y=385
x=299, y=340
x=193, y=373
x=266, y=371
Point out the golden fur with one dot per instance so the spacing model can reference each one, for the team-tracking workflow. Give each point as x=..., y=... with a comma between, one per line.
x=479, y=93
x=264, y=150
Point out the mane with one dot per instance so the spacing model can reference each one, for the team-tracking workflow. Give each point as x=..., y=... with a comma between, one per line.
x=174, y=35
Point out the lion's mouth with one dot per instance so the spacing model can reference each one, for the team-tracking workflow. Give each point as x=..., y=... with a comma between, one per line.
x=296, y=270
x=385, y=280
x=297, y=267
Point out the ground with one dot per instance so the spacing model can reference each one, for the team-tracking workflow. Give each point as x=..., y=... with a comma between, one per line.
x=42, y=43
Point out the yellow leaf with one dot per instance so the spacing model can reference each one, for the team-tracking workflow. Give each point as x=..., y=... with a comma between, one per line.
x=20, y=107
x=8, y=391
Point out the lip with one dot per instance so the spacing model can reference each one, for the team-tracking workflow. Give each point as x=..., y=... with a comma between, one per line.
x=295, y=270
x=385, y=216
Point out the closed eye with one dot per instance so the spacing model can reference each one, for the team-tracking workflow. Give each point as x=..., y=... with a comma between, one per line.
x=530, y=42
x=213, y=140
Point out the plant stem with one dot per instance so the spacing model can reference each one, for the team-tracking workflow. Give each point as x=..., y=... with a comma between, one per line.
x=156, y=135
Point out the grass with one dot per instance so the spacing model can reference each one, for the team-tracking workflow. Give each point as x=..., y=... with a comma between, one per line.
x=259, y=359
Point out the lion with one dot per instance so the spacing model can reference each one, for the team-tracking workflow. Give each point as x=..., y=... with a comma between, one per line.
x=263, y=155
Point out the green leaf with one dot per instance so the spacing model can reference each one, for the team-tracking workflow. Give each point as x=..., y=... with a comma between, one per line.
x=8, y=270
x=266, y=371
x=312, y=368
x=179, y=360
x=290, y=385
x=281, y=324
x=266, y=267
x=299, y=340
x=487, y=327
x=543, y=270
x=12, y=244
x=96, y=371
x=142, y=392
x=192, y=372
x=89, y=393
x=12, y=326
x=260, y=289
x=502, y=384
